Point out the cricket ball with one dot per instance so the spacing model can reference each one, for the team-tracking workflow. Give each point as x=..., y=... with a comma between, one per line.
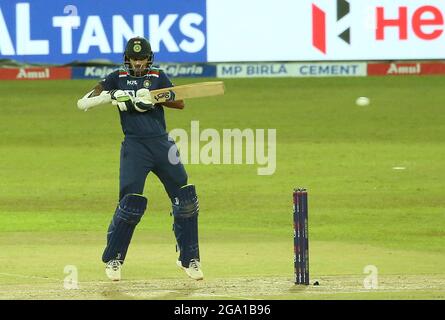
x=362, y=101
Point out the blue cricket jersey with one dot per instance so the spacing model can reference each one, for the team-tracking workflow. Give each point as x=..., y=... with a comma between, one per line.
x=148, y=124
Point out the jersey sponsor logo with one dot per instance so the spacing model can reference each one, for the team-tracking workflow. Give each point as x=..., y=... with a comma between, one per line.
x=132, y=83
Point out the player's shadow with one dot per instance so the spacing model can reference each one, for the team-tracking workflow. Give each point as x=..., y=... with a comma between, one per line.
x=113, y=291
x=125, y=291
x=183, y=289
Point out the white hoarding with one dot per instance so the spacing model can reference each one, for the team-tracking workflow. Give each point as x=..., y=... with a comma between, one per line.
x=307, y=30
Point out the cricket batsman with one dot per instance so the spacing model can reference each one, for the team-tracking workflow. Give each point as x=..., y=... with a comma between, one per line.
x=145, y=149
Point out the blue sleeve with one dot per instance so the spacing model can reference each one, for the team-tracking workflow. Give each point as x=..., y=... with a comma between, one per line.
x=110, y=82
x=164, y=81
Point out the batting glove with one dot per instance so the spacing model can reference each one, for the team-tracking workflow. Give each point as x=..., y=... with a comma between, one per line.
x=123, y=100
x=143, y=101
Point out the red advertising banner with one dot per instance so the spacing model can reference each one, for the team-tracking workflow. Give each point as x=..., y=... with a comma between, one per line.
x=399, y=69
x=35, y=73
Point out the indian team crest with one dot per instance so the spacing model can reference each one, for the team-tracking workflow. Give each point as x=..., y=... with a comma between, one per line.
x=137, y=48
x=147, y=84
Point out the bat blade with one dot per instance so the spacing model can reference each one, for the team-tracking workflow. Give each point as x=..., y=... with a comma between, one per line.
x=187, y=91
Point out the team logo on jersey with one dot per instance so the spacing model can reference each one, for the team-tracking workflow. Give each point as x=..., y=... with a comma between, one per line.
x=137, y=48
x=147, y=84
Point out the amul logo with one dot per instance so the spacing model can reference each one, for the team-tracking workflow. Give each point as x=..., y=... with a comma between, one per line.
x=319, y=25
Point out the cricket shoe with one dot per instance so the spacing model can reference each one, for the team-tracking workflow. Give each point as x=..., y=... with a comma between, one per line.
x=194, y=270
x=113, y=270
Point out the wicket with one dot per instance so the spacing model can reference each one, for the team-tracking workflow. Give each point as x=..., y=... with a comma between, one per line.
x=301, y=239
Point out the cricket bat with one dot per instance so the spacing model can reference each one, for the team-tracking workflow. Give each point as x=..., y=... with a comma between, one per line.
x=193, y=90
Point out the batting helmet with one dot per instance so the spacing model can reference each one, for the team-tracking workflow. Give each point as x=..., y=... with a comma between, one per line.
x=138, y=48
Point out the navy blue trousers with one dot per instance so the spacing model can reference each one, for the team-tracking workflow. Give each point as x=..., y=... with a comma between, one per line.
x=139, y=157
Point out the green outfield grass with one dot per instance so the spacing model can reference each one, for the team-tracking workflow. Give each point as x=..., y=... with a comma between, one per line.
x=59, y=187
